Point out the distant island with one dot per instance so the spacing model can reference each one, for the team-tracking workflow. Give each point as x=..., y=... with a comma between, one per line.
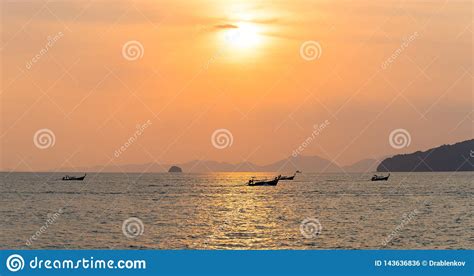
x=290, y=164
x=175, y=169
x=446, y=158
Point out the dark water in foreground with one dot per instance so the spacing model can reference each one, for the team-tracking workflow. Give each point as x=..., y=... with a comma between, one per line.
x=208, y=211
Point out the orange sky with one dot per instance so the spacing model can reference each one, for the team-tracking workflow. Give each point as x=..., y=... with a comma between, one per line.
x=235, y=65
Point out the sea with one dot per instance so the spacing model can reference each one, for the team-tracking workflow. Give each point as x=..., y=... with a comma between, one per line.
x=219, y=211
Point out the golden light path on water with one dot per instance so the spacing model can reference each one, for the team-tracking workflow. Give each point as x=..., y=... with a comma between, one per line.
x=219, y=211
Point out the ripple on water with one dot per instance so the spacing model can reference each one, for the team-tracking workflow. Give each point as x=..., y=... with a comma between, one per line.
x=217, y=211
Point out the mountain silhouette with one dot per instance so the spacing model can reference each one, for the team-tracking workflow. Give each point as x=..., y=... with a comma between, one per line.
x=456, y=157
x=290, y=164
x=365, y=165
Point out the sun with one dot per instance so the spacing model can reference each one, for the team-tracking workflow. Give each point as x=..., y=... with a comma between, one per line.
x=245, y=36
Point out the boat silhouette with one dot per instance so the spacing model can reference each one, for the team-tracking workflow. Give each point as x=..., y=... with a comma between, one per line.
x=70, y=178
x=288, y=177
x=254, y=182
x=380, y=178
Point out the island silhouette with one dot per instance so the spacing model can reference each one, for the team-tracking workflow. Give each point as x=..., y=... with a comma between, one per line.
x=456, y=157
x=175, y=169
x=447, y=158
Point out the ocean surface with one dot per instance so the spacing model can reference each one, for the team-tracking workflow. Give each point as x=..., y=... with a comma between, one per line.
x=218, y=211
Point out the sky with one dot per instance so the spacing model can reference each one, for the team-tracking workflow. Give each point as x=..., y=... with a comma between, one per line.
x=86, y=83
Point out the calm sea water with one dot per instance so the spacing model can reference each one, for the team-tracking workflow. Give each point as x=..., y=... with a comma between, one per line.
x=217, y=211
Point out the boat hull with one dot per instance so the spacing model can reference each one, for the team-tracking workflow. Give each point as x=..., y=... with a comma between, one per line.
x=380, y=179
x=264, y=183
x=74, y=178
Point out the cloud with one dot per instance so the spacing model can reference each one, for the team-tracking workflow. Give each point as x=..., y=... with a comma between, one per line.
x=226, y=26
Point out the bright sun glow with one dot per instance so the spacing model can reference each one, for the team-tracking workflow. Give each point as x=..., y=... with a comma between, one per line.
x=246, y=36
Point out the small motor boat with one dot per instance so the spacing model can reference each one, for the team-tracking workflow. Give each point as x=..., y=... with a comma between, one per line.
x=254, y=182
x=70, y=178
x=288, y=177
x=380, y=178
